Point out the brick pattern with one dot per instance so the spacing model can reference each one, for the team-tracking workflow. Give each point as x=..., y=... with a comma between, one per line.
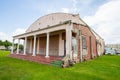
x=38, y=58
x=86, y=32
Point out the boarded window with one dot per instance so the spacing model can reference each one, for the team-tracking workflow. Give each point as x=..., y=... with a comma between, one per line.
x=74, y=34
x=84, y=42
x=54, y=45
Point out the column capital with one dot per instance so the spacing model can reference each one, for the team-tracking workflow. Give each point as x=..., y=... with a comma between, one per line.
x=48, y=33
x=25, y=36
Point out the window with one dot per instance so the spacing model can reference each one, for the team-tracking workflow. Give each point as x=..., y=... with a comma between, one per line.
x=84, y=42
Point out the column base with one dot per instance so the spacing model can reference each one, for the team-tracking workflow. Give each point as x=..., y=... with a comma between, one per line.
x=24, y=54
x=47, y=56
x=33, y=55
x=17, y=53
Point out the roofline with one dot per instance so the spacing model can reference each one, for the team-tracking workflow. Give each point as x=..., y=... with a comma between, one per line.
x=91, y=29
x=97, y=34
x=65, y=22
x=49, y=14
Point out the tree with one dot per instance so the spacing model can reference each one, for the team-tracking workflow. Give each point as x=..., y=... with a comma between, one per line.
x=1, y=43
x=15, y=46
x=7, y=44
x=21, y=47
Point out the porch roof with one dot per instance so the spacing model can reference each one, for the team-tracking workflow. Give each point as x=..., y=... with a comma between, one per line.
x=60, y=26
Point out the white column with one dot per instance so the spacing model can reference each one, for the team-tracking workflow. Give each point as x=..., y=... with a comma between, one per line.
x=25, y=44
x=69, y=41
x=18, y=46
x=34, y=47
x=47, y=46
x=12, y=49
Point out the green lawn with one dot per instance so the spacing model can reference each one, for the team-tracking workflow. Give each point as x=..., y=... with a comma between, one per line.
x=102, y=68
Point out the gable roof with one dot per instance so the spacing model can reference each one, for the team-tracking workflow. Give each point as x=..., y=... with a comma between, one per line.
x=53, y=19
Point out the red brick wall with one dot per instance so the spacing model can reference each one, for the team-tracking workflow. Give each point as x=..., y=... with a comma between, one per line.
x=86, y=32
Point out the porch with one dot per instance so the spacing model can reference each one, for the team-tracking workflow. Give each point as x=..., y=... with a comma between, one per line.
x=45, y=45
x=38, y=58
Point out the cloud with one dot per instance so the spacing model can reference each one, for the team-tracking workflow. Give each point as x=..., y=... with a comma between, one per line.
x=18, y=31
x=74, y=6
x=65, y=10
x=71, y=9
x=4, y=36
x=106, y=21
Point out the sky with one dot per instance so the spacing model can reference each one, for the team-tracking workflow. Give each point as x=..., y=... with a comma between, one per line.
x=103, y=16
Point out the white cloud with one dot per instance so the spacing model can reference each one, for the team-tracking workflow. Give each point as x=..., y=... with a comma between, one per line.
x=74, y=3
x=106, y=21
x=74, y=8
x=19, y=31
x=65, y=10
x=4, y=36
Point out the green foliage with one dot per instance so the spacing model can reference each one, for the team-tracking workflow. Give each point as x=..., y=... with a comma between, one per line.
x=102, y=68
x=21, y=47
x=7, y=44
x=1, y=42
x=15, y=46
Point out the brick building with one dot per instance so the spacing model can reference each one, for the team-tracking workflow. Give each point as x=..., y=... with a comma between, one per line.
x=61, y=35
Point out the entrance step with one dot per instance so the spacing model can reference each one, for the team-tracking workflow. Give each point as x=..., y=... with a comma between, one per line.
x=57, y=63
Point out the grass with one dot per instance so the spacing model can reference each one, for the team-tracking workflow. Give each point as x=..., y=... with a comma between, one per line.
x=102, y=68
